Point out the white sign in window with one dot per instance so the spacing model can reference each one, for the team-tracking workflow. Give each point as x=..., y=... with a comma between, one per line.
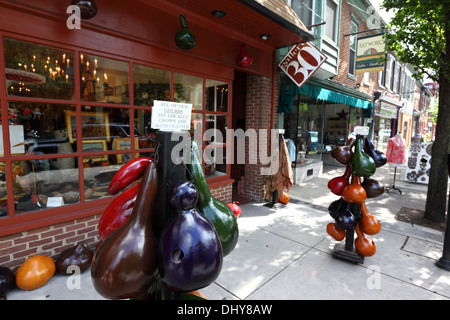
x=171, y=116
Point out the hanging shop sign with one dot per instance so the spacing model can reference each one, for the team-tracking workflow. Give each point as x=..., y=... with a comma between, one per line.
x=368, y=52
x=171, y=116
x=301, y=62
x=386, y=110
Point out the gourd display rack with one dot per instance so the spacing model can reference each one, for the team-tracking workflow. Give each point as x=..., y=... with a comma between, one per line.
x=147, y=255
x=350, y=211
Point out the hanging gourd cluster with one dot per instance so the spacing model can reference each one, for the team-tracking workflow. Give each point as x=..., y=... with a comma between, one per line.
x=350, y=211
x=132, y=262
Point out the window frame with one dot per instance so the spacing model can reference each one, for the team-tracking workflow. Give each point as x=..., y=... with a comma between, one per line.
x=16, y=222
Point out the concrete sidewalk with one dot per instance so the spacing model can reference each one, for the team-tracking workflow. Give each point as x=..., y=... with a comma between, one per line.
x=285, y=253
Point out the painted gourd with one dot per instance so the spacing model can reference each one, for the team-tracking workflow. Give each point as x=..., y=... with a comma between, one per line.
x=368, y=223
x=337, y=185
x=363, y=244
x=125, y=263
x=234, y=206
x=345, y=218
x=117, y=212
x=354, y=192
x=6, y=280
x=88, y=8
x=78, y=256
x=284, y=198
x=343, y=154
x=362, y=164
x=378, y=157
x=35, y=272
x=190, y=253
x=128, y=173
x=244, y=60
x=335, y=207
x=214, y=210
x=373, y=187
x=184, y=38
x=336, y=232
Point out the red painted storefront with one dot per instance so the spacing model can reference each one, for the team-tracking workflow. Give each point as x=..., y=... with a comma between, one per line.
x=127, y=44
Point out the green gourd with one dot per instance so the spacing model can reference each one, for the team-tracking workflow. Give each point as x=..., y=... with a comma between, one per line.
x=362, y=164
x=216, y=211
x=184, y=38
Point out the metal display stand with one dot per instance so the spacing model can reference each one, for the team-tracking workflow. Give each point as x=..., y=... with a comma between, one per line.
x=393, y=187
x=347, y=252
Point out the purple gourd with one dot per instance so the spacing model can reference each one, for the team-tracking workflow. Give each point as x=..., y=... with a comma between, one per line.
x=378, y=157
x=190, y=252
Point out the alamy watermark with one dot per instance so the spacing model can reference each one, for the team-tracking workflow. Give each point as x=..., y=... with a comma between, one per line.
x=258, y=148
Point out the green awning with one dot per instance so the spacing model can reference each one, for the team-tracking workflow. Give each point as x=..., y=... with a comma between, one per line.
x=333, y=96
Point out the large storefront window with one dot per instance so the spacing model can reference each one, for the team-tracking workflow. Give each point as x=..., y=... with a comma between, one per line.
x=38, y=71
x=64, y=148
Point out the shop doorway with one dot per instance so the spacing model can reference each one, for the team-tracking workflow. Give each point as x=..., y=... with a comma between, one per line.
x=238, y=122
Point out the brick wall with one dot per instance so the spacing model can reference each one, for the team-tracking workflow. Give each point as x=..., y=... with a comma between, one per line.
x=258, y=115
x=52, y=240
x=49, y=241
x=223, y=192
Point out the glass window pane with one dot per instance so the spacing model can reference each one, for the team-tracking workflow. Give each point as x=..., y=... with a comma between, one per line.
x=98, y=172
x=39, y=128
x=3, y=195
x=330, y=15
x=38, y=71
x=103, y=79
x=150, y=84
x=215, y=129
x=216, y=96
x=188, y=89
x=197, y=127
x=141, y=120
x=215, y=161
x=39, y=185
x=103, y=128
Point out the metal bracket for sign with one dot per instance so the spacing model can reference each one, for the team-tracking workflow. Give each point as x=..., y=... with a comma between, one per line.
x=347, y=252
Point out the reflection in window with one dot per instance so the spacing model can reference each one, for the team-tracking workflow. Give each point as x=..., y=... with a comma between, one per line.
x=216, y=129
x=188, y=89
x=215, y=161
x=98, y=175
x=102, y=129
x=150, y=84
x=142, y=119
x=216, y=96
x=38, y=71
x=103, y=80
x=40, y=185
x=38, y=128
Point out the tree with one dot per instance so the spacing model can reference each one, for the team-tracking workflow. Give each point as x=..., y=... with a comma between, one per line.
x=419, y=33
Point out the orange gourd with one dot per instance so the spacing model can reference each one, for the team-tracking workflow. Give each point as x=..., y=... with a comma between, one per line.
x=283, y=198
x=35, y=272
x=368, y=223
x=354, y=192
x=363, y=244
x=336, y=232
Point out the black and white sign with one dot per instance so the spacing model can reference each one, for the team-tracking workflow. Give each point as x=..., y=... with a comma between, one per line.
x=171, y=116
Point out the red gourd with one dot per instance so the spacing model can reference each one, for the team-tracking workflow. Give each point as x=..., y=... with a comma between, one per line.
x=117, y=212
x=129, y=172
x=235, y=208
x=337, y=185
x=354, y=193
x=363, y=244
x=368, y=223
x=244, y=60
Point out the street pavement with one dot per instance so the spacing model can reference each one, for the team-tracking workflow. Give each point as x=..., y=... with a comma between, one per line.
x=285, y=253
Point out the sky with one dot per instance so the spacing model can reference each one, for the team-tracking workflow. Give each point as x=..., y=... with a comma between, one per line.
x=385, y=15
